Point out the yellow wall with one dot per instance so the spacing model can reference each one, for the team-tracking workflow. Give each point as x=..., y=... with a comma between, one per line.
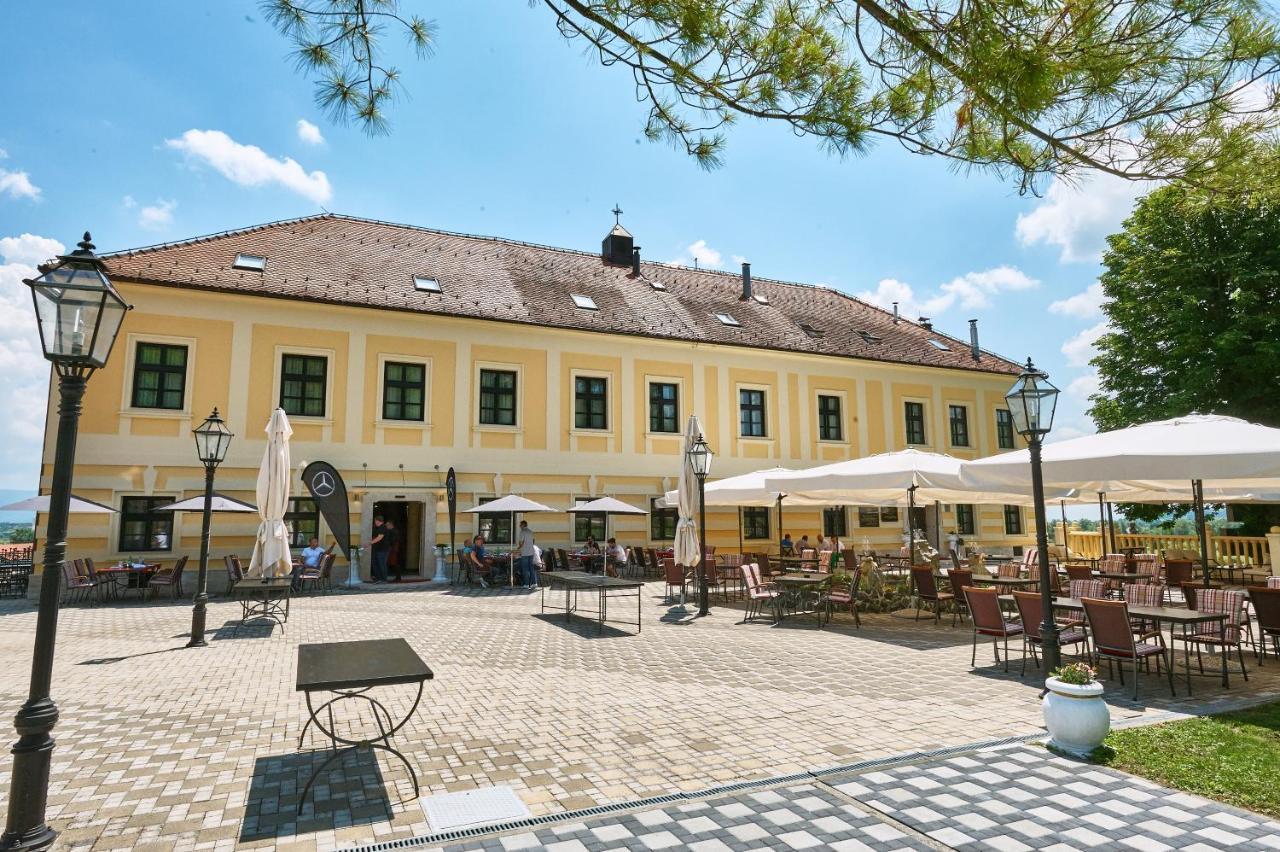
x=236, y=342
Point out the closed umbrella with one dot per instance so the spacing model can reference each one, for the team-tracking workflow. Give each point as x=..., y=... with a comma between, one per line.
x=1213, y=454
x=688, y=552
x=271, y=549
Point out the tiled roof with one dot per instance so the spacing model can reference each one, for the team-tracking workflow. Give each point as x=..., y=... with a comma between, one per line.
x=345, y=260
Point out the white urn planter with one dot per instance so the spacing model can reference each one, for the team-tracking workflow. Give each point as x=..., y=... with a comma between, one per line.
x=1076, y=716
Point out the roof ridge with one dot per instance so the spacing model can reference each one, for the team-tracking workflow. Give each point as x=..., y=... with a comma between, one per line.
x=229, y=232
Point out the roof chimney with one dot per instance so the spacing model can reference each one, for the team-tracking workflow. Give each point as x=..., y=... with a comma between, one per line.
x=895, y=312
x=635, y=261
x=746, y=281
x=925, y=323
x=973, y=340
x=617, y=245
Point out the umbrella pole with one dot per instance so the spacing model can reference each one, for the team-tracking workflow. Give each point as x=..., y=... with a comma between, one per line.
x=1111, y=524
x=779, y=526
x=937, y=525
x=740, y=531
x=1197, y=494
x=1102, y=528
x=911, y=526
x=1065, y=543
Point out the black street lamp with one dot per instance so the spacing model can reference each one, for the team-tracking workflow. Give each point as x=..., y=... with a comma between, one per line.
x=213, y=438
x=700, y=457
x=1032, y=401
x=79, y=315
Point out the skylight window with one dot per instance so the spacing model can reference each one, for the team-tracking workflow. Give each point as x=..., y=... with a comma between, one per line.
x=657, y=285
x=811, y=330
x=425, y=284
x=762, y=299
x=728, y=319
x=250, y=262
x=938, y=344
x=868, y=337
x=585, y=302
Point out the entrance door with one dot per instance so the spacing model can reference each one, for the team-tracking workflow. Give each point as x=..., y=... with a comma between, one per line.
x=406, y=558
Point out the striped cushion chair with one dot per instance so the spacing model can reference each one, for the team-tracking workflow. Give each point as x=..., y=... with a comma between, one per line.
x=758, y=594
x=843, y=595
x=1143, y=594
x=1087, y=588
x=1009, y=569
x=1148, y=565
x=1273, y=582
x=1228, y=635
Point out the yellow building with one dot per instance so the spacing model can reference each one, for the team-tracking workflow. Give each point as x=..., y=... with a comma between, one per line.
x=400, y=352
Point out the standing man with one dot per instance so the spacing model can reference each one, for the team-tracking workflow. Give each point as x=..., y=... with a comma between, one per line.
x=391, y=538
x=378, y=544
x=528, y=574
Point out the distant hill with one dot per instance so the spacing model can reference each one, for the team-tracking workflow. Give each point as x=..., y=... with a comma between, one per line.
x=10, y=495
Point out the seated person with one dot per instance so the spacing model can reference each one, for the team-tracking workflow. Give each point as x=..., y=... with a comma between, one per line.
x=478, y=562
x=312, y=553
x=788, y=546
x=592, y=546
x=615, y=556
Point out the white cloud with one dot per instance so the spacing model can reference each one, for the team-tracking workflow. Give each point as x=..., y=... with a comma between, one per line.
x=156, y=216
x=1081, y=348
x=18, y=185
x=1085, y=305
x=24, y=374
x=972, y=290
x=249, y=165
x=309, y=133
x=1078, y=218
x=1083, y=387
x=705, y=255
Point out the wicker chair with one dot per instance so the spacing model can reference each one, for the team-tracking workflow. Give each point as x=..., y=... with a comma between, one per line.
x=926, y=592
x=1031, y=611
x=1113, y=640
x=1228, y=634
x=988, y=620
x=171, y=577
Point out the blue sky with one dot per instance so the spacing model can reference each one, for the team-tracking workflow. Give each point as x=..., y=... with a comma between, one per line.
x=158, y=121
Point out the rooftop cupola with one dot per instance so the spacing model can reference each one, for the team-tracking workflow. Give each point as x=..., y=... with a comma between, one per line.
x=617, y=246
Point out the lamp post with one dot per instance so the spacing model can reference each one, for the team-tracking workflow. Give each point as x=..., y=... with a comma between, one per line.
x=1032, y=401
x=700, y=457
x=78, y=314
x=213, y=438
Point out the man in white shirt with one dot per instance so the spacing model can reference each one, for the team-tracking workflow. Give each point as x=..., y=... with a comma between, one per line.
x=616, y=554
x=528, y=574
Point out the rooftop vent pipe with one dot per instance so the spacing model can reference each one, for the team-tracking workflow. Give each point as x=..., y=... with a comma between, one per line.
x=973, y=340
x=895, y=312
x=635, y=261
x=746, y=281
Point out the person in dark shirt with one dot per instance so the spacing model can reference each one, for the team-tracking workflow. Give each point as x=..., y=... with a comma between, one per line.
x=378, y=544
x=392, y=538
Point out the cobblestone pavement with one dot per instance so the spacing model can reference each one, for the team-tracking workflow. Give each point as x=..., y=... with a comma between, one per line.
x=161, y=747
x=1009, y=798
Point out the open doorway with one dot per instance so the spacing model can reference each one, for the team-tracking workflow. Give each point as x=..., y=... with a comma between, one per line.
x=405, y=559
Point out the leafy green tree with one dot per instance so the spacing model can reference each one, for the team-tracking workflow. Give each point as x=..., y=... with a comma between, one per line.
x=1193, y=303
x=1140, y=89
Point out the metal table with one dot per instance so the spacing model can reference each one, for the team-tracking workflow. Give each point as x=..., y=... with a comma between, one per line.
x=349, y=670
x=797, y=587
x=263, y=598
x=574, y=582
x=1171, y=615
x=1007, y=582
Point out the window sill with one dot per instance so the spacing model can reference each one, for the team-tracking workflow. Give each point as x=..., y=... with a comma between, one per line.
x=304, y=418
x=834, y=442
x=763, y=439
x=156, y=413
x=591, y=433
x=648, y=434
x=401, y=424
x=494, y=427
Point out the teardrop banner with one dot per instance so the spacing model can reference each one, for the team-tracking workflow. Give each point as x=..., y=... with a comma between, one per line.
x=451, y=491
x=330, y=493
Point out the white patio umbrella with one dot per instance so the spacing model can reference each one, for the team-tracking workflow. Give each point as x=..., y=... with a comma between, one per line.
x=271, y=549
x=512, y=504
x=218, y=503
x=688, y=551
x=1213, y=453
x=79, y=505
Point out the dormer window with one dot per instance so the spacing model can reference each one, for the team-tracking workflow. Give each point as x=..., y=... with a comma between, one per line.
x=425, y=284
x=811, y=330
x=938, y=344
x=727, y=319
x=249, y=262
x=585, y=302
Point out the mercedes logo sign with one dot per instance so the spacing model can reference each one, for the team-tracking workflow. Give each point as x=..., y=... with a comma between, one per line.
x=322, y=484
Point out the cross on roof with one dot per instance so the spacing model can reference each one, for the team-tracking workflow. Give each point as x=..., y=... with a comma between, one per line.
x=617, y=214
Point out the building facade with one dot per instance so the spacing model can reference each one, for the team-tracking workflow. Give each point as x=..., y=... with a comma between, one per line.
x=559, y=375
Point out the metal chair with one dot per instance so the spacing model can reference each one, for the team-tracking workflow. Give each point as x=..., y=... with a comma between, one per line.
x=1031, y=611
x=844, y=594
x=1266, y=605
x=959, y=578
x=1113, y=640
x=988, y=620
x=1226, y=635
x=759, y=593
x=171, y=577
x=926, y=591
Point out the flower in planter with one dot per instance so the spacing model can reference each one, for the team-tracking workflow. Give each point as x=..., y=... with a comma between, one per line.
x=1077, y=674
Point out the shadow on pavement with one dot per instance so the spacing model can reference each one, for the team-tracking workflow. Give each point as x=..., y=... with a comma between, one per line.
x=350, y=791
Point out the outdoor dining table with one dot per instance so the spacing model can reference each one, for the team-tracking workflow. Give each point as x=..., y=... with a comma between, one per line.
x=1122, y=577
x=263, y=598
x=133, y=575
x=1186, y=619
x=603, y=587
x=350, y=670
x=799, y=587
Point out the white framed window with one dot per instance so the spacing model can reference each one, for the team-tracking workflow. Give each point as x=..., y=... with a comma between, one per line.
x=159, y=375
x=499, y=396
x=591, y=395
x=404, y=390
x=915, y=422
x=753, y=412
